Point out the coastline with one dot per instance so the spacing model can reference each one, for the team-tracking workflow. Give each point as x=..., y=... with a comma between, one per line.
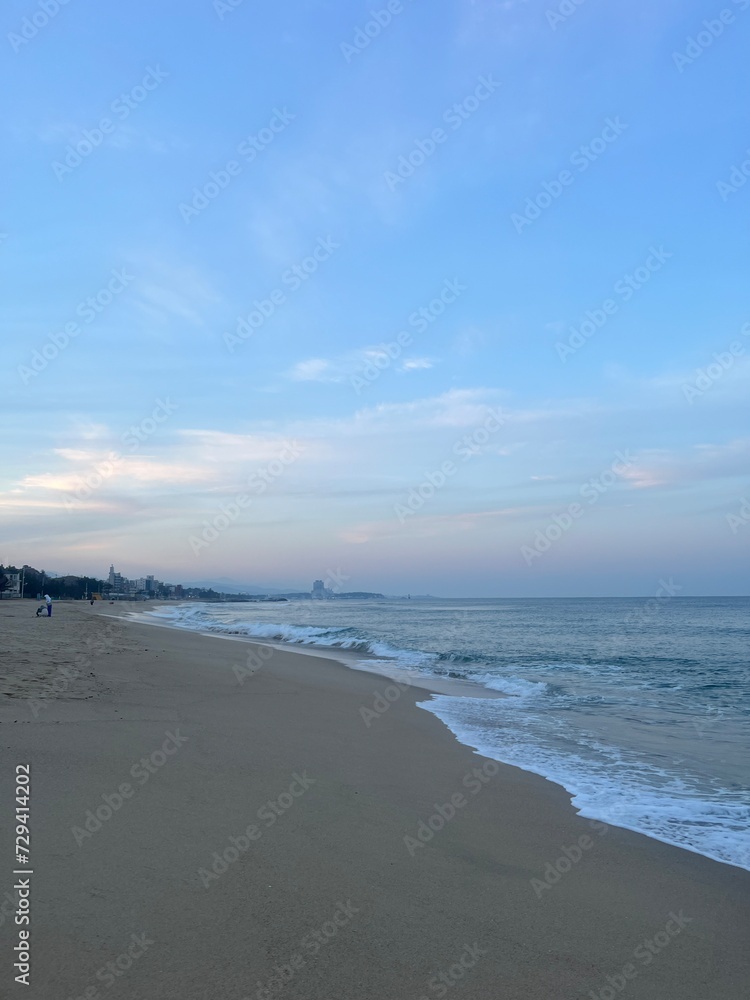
x=638, y=808
x=554, y=905
x=360, y=660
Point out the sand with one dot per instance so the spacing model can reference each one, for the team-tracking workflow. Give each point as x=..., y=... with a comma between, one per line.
x=220, y=819
x=49, y=657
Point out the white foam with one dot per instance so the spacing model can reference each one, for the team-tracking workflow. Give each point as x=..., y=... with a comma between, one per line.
x=609, y=785
x=515, y=687
x=539, y=727
x=200, y=619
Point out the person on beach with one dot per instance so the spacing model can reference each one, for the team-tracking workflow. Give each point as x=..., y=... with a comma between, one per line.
x=48, y=601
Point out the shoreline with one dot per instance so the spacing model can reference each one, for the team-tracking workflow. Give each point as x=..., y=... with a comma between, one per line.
x=359, y=660
x=555, y=907
x=436, y=686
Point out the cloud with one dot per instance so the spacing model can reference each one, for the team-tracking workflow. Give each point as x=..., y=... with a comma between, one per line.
x=427, y=525
x=128, y=471
x=186, y=469
x=456, y=408
x=166, y=291
x=696, y=464
x=641, y=477
x=235, y=450
x=56, y=132
x=344, y=367
x=200, y=463
x=470, y=340
x=415, y=364
x=556, y=326
x=313, y=370
x=353, y=467
x=730, y=378
x=125, y=136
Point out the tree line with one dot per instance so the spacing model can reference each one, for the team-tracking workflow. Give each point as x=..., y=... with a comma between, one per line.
x=36, y=583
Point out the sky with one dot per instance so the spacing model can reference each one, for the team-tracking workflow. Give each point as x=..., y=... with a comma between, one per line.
x=443, y=298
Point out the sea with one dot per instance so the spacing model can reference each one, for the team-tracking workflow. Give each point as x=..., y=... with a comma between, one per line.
x=639, y=707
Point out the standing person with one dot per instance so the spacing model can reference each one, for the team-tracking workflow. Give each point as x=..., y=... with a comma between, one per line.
x=48, y=601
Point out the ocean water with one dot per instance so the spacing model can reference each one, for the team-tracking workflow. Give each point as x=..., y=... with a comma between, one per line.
x=640, y=708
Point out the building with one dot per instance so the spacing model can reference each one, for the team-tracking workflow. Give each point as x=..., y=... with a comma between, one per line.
x=13, y=588
x=117, y=582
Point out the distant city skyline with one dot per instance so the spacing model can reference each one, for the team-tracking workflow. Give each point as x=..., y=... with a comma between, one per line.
x=448, y=301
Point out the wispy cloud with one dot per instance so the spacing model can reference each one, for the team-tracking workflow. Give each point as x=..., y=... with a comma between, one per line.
x=416, y=364
x=428, y=525
x=316, y=370
x=344, y=367
x=166, y=291
x=700, y=463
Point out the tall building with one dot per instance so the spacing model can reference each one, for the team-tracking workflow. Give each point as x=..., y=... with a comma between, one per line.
x=117, y=581
x=319, y=589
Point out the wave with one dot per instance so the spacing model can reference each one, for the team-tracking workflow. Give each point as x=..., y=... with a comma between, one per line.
x=458, y=665
x=514, y=687
x=542, y=723
x=197, y=619
x=605, y=782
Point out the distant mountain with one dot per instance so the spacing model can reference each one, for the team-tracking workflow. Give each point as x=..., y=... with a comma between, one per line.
x=225, y=586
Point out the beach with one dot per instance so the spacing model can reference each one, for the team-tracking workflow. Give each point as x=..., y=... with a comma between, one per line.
x=216, y=817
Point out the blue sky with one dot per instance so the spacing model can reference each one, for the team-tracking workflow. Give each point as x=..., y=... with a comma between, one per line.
x=536, y=165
